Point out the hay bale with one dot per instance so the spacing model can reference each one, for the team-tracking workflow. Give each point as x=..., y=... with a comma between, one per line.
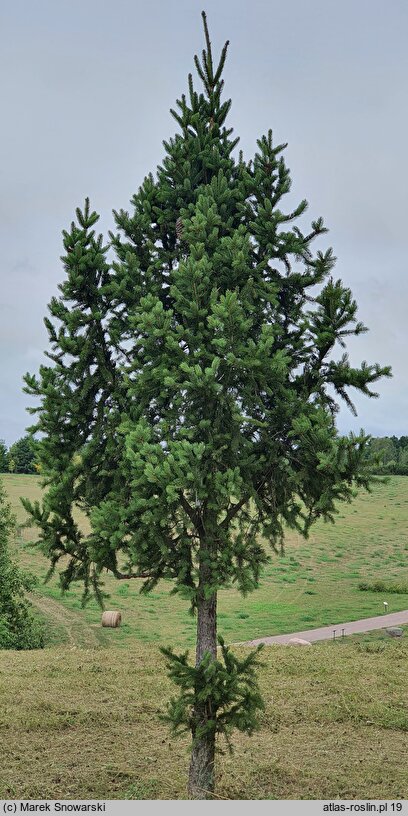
x=111, y=619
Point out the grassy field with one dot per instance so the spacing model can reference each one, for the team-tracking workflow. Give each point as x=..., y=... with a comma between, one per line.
x=314, y=584
x=77, y=723
x=79, y=719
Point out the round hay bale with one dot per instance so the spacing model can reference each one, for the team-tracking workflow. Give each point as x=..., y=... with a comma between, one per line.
x=111, y=619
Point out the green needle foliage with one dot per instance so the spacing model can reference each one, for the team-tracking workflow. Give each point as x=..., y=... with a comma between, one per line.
x=189, y=407
x=227, y=690
x=18, y=627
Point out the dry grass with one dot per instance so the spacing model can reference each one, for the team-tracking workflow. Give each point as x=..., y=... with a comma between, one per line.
x=84, y=724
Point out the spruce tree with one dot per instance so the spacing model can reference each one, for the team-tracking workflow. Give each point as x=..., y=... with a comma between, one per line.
x=190, y=405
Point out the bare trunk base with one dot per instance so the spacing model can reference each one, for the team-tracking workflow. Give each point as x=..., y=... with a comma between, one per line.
x=201, y=776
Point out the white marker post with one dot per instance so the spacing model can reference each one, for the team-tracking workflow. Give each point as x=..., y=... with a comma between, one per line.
x=385, y=606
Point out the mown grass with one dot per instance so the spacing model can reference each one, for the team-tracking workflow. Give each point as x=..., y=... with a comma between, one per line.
x=78, y=723
x=80, y=719
x=316, y=582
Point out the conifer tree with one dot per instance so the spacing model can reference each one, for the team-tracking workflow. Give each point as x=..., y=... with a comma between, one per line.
x=190, y=405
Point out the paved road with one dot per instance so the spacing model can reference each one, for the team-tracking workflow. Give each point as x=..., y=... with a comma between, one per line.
x=326, y=632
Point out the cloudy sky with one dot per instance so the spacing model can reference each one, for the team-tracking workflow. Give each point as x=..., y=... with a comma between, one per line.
x=85, y=95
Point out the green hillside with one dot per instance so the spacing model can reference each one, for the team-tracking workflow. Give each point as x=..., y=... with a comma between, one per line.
x=314, y=584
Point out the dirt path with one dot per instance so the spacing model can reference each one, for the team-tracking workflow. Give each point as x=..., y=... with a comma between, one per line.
x=326, y=632
x=77, y=631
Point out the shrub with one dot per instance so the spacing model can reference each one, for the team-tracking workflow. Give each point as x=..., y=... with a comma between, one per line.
x=19, y=629
x=383, y=586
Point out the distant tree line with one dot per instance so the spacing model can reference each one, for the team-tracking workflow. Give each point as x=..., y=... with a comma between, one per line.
x=389, y=455
x=19, y=458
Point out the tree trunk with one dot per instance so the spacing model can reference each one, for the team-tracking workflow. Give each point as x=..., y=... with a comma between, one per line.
x=201, y=776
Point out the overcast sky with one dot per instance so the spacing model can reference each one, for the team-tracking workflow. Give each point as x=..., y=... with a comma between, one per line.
x=85, y=94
